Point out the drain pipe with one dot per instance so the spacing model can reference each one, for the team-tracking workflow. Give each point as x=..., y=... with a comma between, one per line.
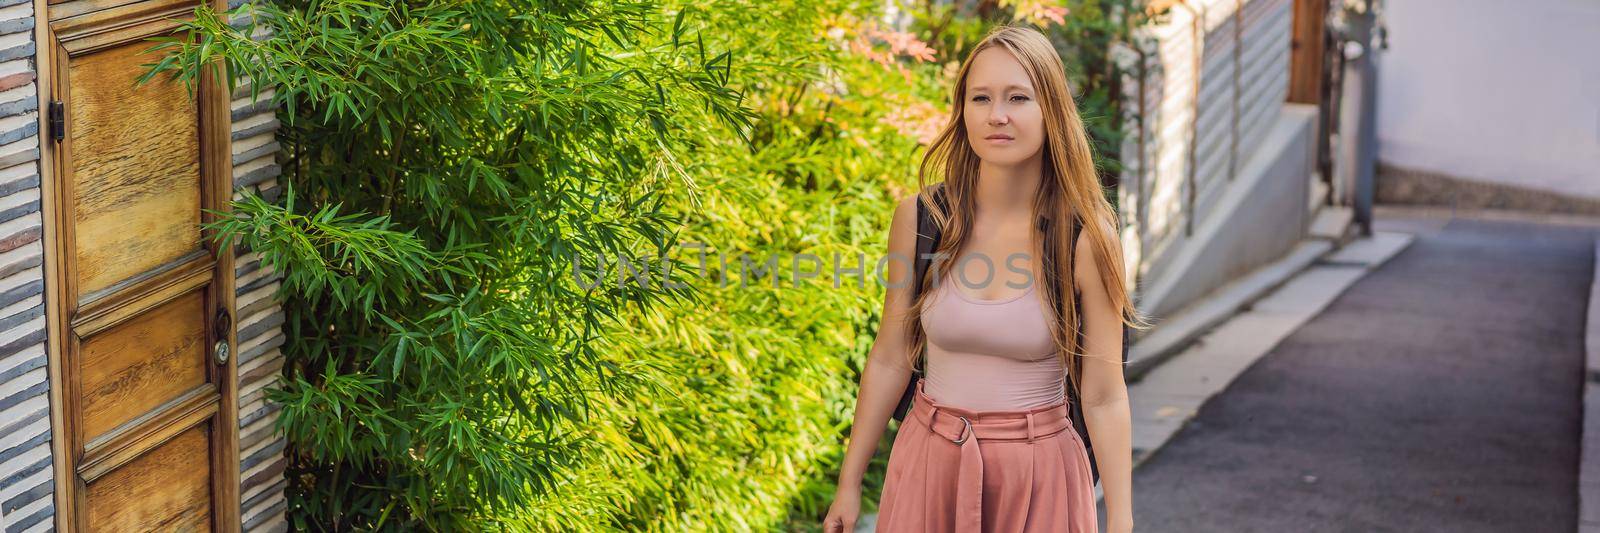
x=1360, y=49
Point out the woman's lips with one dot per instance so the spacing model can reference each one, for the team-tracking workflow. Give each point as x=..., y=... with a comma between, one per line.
x=999, y=139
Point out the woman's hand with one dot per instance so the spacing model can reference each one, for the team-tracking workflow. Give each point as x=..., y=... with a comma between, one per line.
x=844, y=512
x=1119, y=526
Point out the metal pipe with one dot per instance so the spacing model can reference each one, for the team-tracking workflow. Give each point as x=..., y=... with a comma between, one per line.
x=1367, y=119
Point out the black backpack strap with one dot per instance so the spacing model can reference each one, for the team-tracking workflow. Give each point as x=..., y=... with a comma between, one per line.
x=1074, y=406
x=927, y=241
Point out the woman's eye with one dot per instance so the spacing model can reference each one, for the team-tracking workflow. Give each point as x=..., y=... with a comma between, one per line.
x=1019, y=98
x=979, y=98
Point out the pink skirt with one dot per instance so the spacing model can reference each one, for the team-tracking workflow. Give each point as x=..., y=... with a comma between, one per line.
x=957, y=470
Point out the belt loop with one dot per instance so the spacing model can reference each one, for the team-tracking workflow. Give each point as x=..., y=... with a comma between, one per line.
x=1030, y=427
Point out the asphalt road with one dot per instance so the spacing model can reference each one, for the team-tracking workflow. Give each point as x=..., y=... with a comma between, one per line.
x=1441, y=392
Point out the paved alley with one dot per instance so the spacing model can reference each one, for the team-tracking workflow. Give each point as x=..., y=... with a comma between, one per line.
x=1440, y=392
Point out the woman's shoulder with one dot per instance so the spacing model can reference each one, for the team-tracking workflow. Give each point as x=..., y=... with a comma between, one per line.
x=909, y=206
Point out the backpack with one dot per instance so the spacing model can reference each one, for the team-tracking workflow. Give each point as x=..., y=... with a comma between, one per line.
x=927, y=241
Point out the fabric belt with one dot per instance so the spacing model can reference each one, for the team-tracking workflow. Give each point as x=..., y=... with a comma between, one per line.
x=966, y=428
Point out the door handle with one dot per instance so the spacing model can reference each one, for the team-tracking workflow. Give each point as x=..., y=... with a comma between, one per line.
x=223, y=326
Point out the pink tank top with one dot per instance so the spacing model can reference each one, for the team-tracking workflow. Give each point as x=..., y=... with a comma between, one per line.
x=989, y=355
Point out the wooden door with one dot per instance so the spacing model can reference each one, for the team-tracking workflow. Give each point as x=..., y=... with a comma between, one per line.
x=146, y=299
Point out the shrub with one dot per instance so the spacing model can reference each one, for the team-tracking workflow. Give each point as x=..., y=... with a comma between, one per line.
x=446, y=161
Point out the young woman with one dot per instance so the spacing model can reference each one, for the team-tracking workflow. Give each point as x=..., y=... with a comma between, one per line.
x=988, y=445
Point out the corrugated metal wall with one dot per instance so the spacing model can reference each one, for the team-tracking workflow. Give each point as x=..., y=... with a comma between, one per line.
x=1218, y=76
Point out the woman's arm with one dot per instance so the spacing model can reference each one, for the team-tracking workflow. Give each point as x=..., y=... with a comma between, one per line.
x=886, y=373
x=1105, y=394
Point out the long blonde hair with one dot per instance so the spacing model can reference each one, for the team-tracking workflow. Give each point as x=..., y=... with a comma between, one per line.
x=1069, y=184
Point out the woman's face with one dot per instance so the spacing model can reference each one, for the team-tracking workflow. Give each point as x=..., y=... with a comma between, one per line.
x=1002, y=116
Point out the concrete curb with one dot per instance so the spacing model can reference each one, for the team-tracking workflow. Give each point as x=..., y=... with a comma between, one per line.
x=1178, y=332
x=1589, y=464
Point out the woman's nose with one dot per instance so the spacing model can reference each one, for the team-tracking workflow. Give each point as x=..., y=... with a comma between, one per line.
x=998, y=118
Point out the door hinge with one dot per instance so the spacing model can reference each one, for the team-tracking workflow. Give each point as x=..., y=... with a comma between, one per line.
x=58, y=120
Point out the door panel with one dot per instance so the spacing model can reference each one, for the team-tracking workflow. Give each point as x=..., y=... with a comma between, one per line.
x=159, y=491
x=137, y=167
x=147, y=299
x=138, y=365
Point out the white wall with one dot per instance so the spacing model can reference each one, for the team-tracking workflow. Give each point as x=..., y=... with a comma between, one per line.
x=1499, y=91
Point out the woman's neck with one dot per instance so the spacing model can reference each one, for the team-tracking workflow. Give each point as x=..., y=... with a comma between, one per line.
x=1009, y=188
